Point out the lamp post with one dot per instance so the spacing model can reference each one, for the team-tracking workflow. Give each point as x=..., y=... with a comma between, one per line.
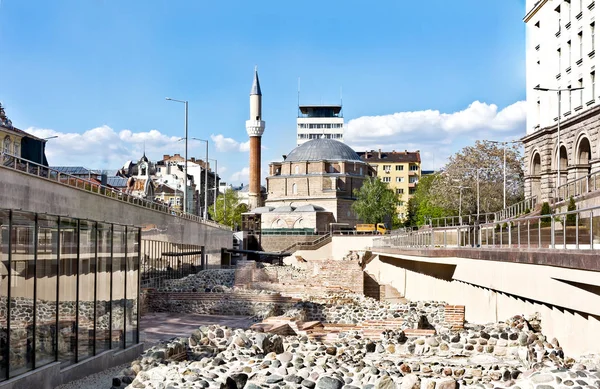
x=205, y=213
x=460, y=188
x=43, y=146
x=558, y=94
x=186, y=153
x=504, y=143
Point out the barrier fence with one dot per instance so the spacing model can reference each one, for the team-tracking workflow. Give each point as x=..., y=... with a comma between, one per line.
x=565, y=230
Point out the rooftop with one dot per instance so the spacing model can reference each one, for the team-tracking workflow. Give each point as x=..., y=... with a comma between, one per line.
x=390, y=156
x=322, y=150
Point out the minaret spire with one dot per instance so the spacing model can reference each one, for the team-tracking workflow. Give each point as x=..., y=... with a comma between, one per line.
x=255, y=128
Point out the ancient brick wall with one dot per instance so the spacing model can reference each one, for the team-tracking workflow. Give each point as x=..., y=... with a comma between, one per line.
x=319, y=276
x=454, y=316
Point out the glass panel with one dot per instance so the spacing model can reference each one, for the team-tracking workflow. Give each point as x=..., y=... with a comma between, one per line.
x=67, y=291
x=4, y=266
x=21, y=293
x=133, y=265
x=118, y=286
x=46, y=273
x=87, y=269
x=103, y=288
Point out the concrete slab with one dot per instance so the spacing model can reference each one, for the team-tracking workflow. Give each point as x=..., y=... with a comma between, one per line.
x=162, y=326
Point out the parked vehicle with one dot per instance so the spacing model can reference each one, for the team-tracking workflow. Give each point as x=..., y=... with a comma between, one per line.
x=378, y=228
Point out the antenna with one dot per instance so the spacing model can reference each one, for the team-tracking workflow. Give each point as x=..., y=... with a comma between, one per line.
x=341, y=101
x=298, y=96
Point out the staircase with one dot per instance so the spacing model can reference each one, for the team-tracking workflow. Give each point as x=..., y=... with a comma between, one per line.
x=313, y=245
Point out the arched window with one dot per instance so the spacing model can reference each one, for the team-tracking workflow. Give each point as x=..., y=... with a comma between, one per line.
x=7, y=144
x=17, y=149
x=294, y=189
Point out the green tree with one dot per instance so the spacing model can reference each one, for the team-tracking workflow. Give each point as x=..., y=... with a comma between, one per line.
x=229, y=209
x=423, y=204
x=376, y=203
x=546, y=210
x=572, y=217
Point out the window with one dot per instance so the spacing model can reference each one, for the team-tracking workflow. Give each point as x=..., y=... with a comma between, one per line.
x=593, y=35
x=569, y=54
x=399, y=168
x=414, y=168
x=580, y=82
x=569, y=100
x=387, y=168
x=580, y=39
x=593, y=82
x=7, y=144
x=559, y=60
x=399, y=179
x=400, y=191
x=386, y=179
x=17, y=148
x=361, y=171
x=331, y=169
x=400, y=203
x=413, y=179
x=294, y=189
x=297, y=169
x=412, y=190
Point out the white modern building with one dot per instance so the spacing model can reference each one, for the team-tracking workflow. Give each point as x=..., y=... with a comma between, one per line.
x=319, y=121
x=560, y=55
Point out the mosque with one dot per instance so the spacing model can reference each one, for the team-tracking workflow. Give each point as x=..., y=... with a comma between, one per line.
x=311, y=188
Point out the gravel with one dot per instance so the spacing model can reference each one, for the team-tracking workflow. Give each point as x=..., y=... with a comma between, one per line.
x=102, y=380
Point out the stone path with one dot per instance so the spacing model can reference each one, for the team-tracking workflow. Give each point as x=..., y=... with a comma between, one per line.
x=161, y=326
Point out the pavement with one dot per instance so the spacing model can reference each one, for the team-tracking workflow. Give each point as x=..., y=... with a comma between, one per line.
x=162, y=326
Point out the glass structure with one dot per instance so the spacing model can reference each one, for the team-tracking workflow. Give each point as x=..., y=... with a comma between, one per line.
x=68, y=290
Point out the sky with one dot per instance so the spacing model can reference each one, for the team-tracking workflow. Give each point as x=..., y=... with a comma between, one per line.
x=432, y=76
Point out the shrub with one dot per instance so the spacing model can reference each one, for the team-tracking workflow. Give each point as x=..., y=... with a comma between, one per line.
x=572, y=217
x=546, y=211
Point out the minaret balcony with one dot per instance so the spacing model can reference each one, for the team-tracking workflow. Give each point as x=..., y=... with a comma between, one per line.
x=255, y=127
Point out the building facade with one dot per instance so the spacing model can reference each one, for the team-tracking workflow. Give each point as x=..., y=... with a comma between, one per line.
x=313, y=186
x=401, y=170
x=18, y=143
x=561, y=55
x=319, y=121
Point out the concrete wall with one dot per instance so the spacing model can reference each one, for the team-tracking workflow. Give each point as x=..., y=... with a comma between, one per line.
x=568, y=300
x=23, y=191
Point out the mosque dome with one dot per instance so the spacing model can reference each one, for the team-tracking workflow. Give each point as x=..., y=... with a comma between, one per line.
x=322, y=150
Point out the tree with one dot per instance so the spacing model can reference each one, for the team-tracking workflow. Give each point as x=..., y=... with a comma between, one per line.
x=229, y=209
x=487, y=159
x=376, y=202
x=422, y=205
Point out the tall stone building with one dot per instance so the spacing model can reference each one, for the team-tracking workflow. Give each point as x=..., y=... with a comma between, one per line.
x=562, y=123
x=255, y=127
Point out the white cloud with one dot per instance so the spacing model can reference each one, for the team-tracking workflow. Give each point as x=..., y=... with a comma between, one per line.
x=102, y=147
x=229, y=144
x=423, y=129
x=242, y=176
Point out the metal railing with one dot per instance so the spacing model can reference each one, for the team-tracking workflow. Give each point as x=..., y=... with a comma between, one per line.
x=578, y=187
x=516, y=209
x=13, y=162
x=565, y=230
x=451, y=221
x=317, y=243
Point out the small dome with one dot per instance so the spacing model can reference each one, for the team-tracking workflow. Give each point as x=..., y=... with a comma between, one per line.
x=283, y=209
x=322, y=150
x=309, y=208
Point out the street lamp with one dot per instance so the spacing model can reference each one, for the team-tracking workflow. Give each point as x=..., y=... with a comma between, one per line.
x=186, y=152
x=205, y=213
x=504, y=143
x=558, y=93
x=460, y=188
x=43, y=146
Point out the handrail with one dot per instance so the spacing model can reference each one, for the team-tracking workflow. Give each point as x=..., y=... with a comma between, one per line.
x=308, y=244
x=577, y=187
x=516, y=209
x=450, y=221
x=563, y=230
x=10, y=161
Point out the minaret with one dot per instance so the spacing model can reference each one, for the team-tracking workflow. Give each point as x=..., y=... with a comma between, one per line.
x=255, y=128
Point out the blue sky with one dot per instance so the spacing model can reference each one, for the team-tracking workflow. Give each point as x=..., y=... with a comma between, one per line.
x=428, y=75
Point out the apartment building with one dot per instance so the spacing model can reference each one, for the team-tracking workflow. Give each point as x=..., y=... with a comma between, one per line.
x=401, y=170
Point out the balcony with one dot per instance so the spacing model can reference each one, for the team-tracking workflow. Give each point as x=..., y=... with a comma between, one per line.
x=579, y=61
x=592, y=54
x=579, y=15
x=568, y=25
